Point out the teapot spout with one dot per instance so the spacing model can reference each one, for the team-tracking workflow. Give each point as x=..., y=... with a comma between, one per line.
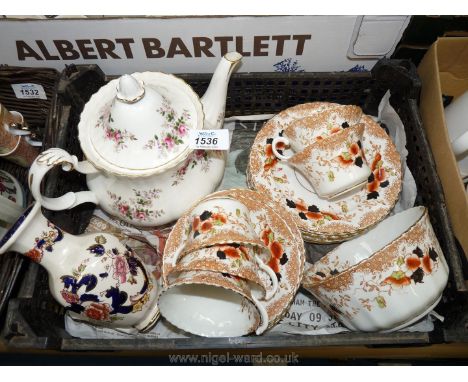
x=214, y=99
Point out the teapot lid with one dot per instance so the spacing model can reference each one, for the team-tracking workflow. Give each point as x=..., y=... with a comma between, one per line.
x=139, y=124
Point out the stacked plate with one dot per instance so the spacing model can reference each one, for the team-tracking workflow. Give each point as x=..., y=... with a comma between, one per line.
x=337, y=219
x=12, y=200
x=231, y=266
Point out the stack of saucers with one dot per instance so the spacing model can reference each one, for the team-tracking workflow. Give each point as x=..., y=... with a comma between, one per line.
x=231, y=266
x=334, y=169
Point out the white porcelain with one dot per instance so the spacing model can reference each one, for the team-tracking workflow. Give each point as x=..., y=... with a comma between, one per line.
x=95, y=277
x=220, y=221
x=456, y=115
x=144, y=129
x=333, y=165
x=308, y=129
x=233, y=259
x=134, y=134
x=326, y=220
x=463, y=167
x=283, y=250
x=385, y=279
x=460, y=145
x=211, y=304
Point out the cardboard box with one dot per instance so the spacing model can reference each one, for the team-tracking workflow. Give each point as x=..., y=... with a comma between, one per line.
x=194, y=44
x=444, y=71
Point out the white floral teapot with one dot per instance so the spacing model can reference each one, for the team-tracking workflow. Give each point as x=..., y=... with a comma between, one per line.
x=134, y=134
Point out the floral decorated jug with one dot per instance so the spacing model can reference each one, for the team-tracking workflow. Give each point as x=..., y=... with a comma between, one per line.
x=134, y=133
x=95, y=277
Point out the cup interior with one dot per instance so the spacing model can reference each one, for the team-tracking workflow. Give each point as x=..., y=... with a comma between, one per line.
x=208, y=310
x=363, y=247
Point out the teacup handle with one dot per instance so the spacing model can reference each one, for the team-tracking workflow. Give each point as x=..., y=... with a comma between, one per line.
x=271, y=274
x=261, y=265
x=43, y=164
x=263, y=315
x=275, y=151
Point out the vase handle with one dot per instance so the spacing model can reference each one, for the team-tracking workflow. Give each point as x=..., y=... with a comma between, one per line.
x=43, y=164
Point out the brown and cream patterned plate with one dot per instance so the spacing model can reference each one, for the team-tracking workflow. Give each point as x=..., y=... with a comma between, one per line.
x=321, y=220
x=284, y=249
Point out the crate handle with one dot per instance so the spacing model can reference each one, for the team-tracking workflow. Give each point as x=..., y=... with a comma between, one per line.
x=45, y=162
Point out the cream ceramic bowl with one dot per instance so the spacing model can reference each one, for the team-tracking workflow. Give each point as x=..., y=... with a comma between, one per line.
x=385, y=279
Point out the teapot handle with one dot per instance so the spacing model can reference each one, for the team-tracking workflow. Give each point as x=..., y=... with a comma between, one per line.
x=43, y=164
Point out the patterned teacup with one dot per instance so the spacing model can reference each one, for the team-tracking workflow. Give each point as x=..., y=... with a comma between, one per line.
x=219, y=221
x=304, y=131
x=333, y=165
x=212, y=304
x=385, y=279
x=240, y=260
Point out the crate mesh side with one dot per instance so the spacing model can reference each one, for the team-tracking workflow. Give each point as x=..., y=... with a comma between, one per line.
x=36, y=112
x=265, y=93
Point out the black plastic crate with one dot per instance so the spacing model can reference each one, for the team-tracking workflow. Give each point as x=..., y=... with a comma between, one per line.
x=38, y=113
x=35, y=320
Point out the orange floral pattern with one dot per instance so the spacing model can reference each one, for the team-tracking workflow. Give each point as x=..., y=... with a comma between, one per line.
x=311, y=212
x=233, y=251
x=98, y=312
x=371, y=289
x=271, y=160
x=354, y=155
x=413, y=268
x=45, y=243
x=206, y=221
x=276, y=248
x=377, y=179
x=333, y=130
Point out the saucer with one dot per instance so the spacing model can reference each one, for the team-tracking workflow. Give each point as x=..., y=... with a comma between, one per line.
x=285, y=253
x=13, y=192
x=11, y=189
x=321, y=220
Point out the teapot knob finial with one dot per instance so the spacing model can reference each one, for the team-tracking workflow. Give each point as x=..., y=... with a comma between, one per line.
x=130, y=90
